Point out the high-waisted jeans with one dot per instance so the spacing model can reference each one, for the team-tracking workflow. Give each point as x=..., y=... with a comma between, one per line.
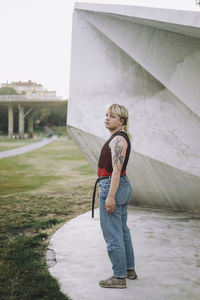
x=115, y=231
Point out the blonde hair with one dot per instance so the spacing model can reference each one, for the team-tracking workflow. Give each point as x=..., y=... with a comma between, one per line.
x=122, y=112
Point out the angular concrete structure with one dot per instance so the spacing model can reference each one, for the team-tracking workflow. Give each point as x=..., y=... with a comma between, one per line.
x=149, y=60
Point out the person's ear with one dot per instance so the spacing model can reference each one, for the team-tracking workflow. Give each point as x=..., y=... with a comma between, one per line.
x=122, y=122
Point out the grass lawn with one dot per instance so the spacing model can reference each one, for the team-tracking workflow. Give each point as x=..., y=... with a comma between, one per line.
x=39, y=191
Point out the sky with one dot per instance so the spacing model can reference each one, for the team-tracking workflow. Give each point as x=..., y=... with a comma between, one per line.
x=35, y=38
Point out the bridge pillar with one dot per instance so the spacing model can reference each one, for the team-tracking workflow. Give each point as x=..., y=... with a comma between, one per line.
x=30, y=124
x=21, y=121
x=10, y=121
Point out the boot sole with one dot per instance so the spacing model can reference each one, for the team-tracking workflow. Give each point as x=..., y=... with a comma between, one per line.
x=113, y=286
x=132, y=278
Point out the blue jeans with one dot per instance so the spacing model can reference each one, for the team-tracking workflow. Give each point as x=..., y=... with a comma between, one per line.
x=115, y=231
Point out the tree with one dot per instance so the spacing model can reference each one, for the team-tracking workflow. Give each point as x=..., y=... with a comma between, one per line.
x=8, y=91
x=51, y=116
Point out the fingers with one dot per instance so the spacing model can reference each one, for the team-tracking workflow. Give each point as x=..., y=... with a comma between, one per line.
x=110, y=209
x=110, y=205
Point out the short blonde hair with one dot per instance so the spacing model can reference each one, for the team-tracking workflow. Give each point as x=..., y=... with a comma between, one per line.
x=122, y=112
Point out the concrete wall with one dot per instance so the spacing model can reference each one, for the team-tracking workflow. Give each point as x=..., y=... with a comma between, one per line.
x=149, y=60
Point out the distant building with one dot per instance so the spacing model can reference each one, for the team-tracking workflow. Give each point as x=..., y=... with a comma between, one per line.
x=30, y=88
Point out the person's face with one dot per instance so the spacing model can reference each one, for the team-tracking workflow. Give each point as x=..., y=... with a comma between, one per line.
x=112, y=121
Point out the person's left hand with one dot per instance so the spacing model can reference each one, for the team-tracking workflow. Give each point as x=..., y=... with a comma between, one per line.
x=110, y=205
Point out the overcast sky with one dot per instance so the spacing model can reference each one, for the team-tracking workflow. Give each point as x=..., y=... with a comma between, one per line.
x=36, y=34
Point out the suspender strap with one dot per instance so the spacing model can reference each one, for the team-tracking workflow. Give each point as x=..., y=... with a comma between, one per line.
x=94, y=192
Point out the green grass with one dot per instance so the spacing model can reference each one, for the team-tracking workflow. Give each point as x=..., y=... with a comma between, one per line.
x=18, y=176
x=84, y=170
x=30, y=279
x=40, y=191
x=60, y=131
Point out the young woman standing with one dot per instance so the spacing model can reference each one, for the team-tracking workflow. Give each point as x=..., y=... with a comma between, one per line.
x=114, y=196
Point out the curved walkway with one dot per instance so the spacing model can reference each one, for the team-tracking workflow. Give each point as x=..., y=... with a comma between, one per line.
x=166, y=249
x=27, y=148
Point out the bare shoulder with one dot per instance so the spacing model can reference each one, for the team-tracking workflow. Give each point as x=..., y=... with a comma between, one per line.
x=118, y=140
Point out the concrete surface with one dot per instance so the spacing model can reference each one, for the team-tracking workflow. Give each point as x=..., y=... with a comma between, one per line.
x=166, y=251
x=155, y=183
x=149, y=60
x=27, y=148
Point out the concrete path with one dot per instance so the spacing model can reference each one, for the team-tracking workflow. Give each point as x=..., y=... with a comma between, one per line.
x=27, y=148
x=167, y=252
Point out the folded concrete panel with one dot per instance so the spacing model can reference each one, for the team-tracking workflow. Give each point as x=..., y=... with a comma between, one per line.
x=145, y=60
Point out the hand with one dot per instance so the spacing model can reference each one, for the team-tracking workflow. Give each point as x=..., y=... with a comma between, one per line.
x=110, y=205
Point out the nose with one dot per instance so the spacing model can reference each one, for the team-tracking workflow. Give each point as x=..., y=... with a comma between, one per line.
x=107, y=120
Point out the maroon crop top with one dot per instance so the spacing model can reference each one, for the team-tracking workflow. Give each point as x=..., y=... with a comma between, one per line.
x=105, y=160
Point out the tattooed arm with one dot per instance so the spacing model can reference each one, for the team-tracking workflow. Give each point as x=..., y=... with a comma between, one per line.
x=118, y=148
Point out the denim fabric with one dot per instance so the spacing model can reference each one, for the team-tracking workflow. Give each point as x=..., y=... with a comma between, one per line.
x=115, y=231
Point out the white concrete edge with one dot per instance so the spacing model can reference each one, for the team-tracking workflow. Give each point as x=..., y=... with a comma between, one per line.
x=171, y=16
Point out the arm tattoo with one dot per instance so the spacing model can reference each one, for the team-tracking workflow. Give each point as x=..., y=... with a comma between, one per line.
x=117, y=153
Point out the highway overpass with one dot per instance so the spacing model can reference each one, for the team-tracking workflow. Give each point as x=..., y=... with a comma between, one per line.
x=26, y=105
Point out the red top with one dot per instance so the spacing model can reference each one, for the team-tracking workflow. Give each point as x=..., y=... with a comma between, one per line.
x=103, y=172
x=105, y=160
